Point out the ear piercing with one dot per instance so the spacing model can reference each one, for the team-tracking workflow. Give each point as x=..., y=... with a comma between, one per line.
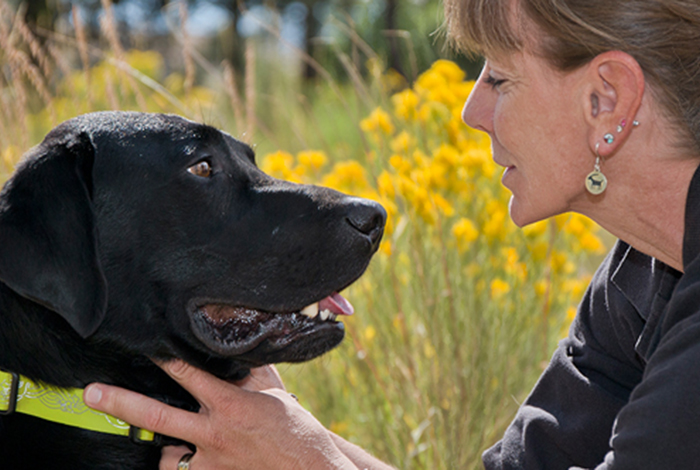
x=609, y=138
x=596, y=182
x=623, y=123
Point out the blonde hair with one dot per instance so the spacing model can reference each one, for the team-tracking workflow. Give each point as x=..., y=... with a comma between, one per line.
x=662, y=35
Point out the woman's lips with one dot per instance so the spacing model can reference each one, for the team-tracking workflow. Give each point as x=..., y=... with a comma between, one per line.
x=508, y=171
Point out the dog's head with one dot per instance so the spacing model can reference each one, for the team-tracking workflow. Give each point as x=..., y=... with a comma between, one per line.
x=161, y=236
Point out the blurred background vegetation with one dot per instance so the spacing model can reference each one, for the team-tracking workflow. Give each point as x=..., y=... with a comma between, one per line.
x=460, y=310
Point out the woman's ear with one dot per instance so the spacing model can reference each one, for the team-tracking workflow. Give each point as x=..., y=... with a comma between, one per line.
x=614, y=91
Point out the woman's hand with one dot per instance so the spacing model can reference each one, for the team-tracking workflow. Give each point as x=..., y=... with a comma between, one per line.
x=255, y=424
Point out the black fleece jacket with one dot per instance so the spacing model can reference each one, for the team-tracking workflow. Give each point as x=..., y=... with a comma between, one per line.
x=622, y=392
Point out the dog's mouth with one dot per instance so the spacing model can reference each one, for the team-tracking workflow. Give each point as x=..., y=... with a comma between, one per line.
x=234, y=331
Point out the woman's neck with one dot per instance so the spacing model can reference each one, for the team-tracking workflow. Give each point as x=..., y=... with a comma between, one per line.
x=645, y=206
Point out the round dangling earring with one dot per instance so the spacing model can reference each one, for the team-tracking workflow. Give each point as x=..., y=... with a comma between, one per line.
x=596, y=182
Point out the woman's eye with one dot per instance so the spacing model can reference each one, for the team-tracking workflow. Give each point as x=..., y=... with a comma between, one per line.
x=494, y=82
x=201, y=169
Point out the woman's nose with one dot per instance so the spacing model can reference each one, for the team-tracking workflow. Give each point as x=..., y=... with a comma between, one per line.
x=478, y=109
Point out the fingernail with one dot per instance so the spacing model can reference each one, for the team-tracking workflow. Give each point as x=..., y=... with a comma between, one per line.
x=176, y=366
x=92, y=395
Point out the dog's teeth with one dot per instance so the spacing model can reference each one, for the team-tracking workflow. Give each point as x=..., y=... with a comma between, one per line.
x=332, y=317
x=311, y=311
x=325, y=314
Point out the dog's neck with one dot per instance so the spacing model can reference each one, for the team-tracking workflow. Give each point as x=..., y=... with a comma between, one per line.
x=40, y=345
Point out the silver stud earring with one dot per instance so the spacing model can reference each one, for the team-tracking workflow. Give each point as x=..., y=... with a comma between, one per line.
x=596, y=182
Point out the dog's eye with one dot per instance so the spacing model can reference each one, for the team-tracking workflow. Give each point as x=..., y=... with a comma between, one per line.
x=201, y=169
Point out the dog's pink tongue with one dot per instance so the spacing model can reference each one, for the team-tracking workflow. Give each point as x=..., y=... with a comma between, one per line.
x=337, y=304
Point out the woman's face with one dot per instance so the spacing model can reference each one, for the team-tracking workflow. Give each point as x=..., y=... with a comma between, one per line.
x=535, y=118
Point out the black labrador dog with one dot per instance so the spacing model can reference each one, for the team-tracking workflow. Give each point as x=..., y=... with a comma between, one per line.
x=126, y=237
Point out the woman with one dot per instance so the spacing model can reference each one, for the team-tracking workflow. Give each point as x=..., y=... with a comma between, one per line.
x=592, y=106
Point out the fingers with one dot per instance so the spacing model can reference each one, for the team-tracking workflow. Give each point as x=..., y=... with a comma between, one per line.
x=205, y=387
x=142, y=411
x=262, y=378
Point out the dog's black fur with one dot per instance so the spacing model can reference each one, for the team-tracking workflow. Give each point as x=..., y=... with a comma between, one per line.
x=110, y=250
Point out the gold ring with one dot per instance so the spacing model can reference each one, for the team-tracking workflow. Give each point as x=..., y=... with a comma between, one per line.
x=184, y=463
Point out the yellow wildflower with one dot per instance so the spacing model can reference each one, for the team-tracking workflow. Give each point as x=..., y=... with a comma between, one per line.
x=378, y=121
x=539, y=250
x=575, y=226
x=436, y=175
x=560, y=262
x=513, y=265
x=430, y=80
x=495, y=223
x=542, y=287
x=385, y=248
x=435, y=113
x=447, y=154
x=147, y=62
x=449, y=70
x=499, y=288
x=405, y=104
x=465, y=232
x=401, y=164
x=443, y=205
x=370, y=333
x=444, y=95
x=575, y=287
x=591, y=243
x=349, y=177
x=278, y=165
x=385, y=184
x=312, y=159
x=426, y=210
x=403, y=143
x=462, y=91
x=536, y=229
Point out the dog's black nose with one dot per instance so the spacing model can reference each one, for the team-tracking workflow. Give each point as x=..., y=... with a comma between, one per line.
x=369, y=218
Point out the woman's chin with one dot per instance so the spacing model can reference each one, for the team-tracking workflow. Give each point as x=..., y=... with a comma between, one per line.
x=516, y=214
x=525, y=214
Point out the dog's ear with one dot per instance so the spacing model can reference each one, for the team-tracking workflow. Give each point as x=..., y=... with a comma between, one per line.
x=48, y=240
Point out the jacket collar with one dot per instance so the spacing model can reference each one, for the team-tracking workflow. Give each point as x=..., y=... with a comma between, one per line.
x=691, y=234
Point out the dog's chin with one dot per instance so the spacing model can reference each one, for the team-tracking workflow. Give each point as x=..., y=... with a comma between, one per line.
x=264, y=337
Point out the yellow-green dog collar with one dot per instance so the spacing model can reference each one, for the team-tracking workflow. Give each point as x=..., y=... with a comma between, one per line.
x=60, y=405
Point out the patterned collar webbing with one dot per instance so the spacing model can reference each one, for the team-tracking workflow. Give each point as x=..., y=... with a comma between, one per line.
x=60, y=405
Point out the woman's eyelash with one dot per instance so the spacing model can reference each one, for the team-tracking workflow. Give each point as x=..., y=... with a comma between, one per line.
x=493, y=82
